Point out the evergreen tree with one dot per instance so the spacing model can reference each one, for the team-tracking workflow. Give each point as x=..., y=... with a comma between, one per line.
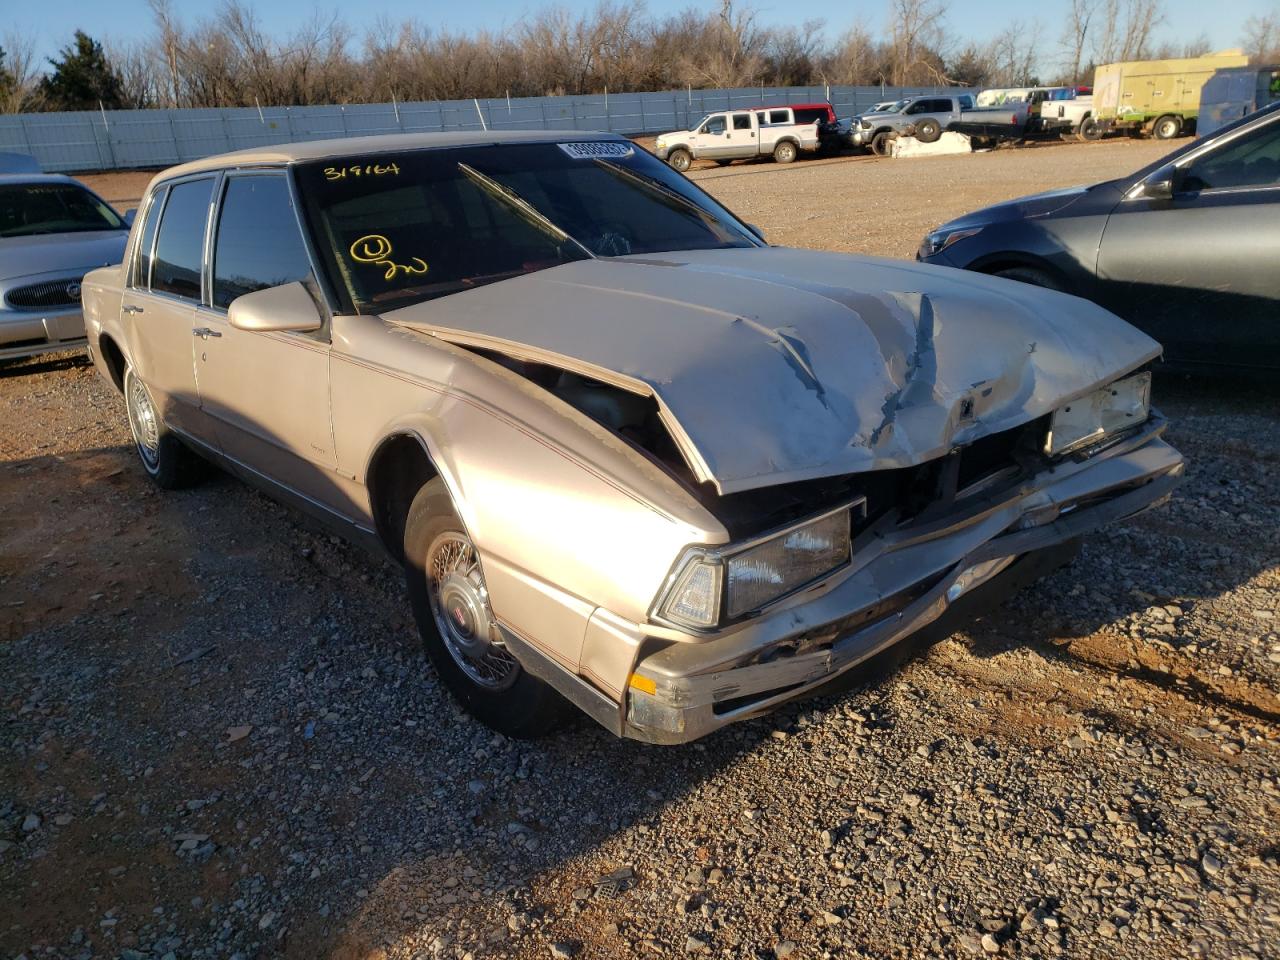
x=82, y=78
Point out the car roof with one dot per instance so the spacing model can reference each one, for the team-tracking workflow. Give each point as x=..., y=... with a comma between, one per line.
x=18, y=178
x=347, y=146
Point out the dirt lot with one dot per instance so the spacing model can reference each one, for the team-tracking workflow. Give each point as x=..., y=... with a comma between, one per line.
x=219, y=738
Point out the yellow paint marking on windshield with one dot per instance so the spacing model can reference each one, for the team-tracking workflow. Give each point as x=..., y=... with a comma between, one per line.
x=376, y=249
x=358, y=170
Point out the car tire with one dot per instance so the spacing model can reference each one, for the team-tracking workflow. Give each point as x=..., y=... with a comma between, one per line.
x=784, y=152
x=1089, y=129
x=1166, y=127
x=880, y=144
x=680, y=160
x=1037, y=278
x=169, y=462
x=928, y=130
x=723, y=163
x=450, y=604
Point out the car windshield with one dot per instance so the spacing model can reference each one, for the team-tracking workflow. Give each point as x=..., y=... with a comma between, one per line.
x=398, y=228
x=27, y=209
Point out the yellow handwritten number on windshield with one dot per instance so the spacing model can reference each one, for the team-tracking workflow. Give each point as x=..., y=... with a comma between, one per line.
x=376, y=249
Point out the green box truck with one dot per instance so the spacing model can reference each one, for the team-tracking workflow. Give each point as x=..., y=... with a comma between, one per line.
x=1159, y=98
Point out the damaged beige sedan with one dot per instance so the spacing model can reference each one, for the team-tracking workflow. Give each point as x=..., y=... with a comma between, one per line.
x=631, y=457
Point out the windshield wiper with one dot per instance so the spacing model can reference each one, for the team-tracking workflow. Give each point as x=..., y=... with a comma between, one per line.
x=665, y=195
x=525, y=209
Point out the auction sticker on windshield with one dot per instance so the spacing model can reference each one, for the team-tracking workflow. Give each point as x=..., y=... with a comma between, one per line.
x=594, y=149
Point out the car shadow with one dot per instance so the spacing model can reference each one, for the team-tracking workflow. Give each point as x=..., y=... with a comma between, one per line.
x=44, y=363
x=1188, y=553
x=272, y=735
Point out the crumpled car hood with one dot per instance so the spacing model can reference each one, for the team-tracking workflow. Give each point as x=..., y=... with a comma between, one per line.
x=60, y=252
x=773, y=365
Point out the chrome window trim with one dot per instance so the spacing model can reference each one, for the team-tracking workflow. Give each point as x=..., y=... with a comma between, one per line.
x=324, y=334
x=159, y=194
x=167, y=185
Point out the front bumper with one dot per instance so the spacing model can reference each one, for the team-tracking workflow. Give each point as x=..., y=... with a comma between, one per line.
x=661, y=151
x=902, y=579
x=26, y=333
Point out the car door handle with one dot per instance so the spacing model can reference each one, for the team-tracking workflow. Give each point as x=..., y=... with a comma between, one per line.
x=131, y=309
x=204, y=333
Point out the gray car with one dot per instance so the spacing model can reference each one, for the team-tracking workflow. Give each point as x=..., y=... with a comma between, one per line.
x=53, y=230
x=928, y=115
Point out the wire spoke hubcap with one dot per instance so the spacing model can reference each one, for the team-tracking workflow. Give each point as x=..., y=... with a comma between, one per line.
x=460, y=606
x=143, y=423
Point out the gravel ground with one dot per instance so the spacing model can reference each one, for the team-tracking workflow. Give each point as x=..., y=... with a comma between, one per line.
x=218, y=737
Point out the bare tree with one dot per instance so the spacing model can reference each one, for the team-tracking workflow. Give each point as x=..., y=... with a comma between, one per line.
x=857, y=59
x=1012, y=55
x=168, y=48
x=915, y=27
x=1125, y=28
x=1074, y=36
x=19, y=72
x=1262, y=38
x=135, y=65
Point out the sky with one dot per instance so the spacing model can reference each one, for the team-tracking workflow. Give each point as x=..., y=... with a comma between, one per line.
x=53, y=21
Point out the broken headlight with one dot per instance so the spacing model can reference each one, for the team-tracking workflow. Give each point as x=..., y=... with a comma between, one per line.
x=741, y=579
x=1097, y=415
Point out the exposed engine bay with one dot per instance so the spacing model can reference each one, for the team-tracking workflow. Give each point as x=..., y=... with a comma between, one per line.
x=911, y=491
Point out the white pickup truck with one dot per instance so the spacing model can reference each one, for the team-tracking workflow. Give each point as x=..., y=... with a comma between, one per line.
x=738, y=134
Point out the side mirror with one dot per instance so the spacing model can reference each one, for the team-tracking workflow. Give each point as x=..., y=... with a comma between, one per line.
x=1162, y=184
x=757, y=231
x=287, y=307
x=130, y=215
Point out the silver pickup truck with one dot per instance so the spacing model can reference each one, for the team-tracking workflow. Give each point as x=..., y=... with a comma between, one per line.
x=928, y=115
x=737, y=135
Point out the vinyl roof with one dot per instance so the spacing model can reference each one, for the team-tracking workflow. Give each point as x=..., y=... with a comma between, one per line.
x=364, y=146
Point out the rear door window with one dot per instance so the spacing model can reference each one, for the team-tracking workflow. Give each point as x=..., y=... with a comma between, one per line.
x=180, y=243
x=742, y=121
x=258, y=243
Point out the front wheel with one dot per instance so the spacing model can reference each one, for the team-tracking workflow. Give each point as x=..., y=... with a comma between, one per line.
x=451, y=606
x=168, y=461
x=1089, y=130
x=784, y=152
x=680, y=160
x=928, y=130
x=880, y=144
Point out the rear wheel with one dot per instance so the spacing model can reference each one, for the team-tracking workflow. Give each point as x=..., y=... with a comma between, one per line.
x=1037, y=278
x=928, y=130
x=723, y=163
x=680, y=160
x=168, y=461
x=880, y=144
x=784, y=152
x=451, y=606
x=1166, y=128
